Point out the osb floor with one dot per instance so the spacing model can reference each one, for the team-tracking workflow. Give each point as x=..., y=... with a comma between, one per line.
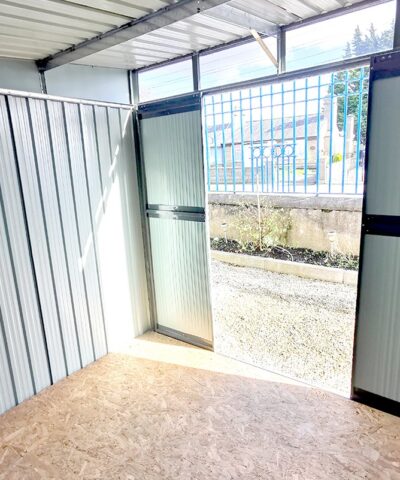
x=164, y=410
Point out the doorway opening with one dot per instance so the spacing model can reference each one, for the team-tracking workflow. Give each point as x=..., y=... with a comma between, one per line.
x=284, y=175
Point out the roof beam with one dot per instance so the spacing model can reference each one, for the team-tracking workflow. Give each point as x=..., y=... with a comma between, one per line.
x=161, y=18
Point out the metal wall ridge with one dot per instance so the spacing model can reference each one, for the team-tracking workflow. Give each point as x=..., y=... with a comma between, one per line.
x=43, y=96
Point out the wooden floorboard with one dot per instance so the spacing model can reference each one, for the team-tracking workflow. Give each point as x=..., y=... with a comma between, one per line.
x=163, y=410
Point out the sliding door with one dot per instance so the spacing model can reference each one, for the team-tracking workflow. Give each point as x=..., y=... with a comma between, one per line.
x=174, y=180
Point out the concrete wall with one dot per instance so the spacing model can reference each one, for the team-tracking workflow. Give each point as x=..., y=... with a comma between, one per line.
x=89, y=83
x=19, y=75
x=312, y=219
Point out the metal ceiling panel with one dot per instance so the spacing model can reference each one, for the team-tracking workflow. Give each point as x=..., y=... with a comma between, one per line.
x=37, y=29
x=68, y=22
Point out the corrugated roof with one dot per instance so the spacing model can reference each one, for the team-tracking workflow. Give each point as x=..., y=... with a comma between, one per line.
x=35, y=29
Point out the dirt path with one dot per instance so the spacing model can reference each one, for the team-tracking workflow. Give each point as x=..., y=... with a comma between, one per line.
x=301, y=328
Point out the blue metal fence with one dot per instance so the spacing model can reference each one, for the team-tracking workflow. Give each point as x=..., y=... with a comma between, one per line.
x=300, y=136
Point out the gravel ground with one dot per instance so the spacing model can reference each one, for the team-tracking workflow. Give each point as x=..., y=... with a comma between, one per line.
x=298, y=327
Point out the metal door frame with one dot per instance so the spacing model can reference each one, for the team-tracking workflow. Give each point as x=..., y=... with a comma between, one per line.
x=382, y=66
x=179, y=104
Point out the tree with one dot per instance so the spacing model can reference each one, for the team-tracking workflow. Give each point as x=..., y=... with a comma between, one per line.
x=357, y=79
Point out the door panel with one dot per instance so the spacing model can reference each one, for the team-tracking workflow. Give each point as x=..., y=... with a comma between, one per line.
x=378, y=368
x=376, y=378
x=171, y=142
x=173, y=159
x=179, y=252
x=383, y=193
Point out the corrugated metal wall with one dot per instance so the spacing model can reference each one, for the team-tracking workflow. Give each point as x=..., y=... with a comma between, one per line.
x=72, y=276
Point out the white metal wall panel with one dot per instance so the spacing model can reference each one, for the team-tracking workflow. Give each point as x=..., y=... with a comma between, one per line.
x=8, y=397
x=14, y=213
x=54, y=231
x=378, y=333
x=175, y=177
x=14, y=329
x=88, y=255
x=116, y=215
x=33, y=195
x=70, y=236
x=62, y=164
x=96, y=208
x=23, y=332
x=180, y=266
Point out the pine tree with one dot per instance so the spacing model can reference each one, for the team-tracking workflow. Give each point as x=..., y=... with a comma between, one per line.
x=360, y=45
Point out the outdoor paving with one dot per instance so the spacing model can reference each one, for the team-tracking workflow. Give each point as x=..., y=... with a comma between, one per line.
x=294, y=326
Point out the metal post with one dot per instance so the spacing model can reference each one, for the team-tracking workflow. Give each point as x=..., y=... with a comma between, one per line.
x=215, y=143
x=306, y=137
x=359, y=120
x=294, y=135
x=345, y=105
x=396, y=36
x=271, y=92
x=283, y=136
x=233, y=145
x=331, y=127
x=261, y=144
x=318, y=134
x=207, y=145
x=134, y=85
x=42, y=79
x=196, y=72
x=242, y=141
x=281, y=50
x=251, y=141
x=223, y=141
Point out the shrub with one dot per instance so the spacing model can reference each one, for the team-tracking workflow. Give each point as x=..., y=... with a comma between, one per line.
x=260, y=227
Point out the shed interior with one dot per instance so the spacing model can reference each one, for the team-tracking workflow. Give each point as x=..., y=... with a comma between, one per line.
x=106, y=334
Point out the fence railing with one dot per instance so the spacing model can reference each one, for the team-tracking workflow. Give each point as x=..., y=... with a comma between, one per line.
x=300, y=136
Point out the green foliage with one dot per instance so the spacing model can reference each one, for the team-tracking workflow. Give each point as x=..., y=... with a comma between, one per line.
x=337, y=157
x=342, y=260
x=261, y=227
x=360, y=45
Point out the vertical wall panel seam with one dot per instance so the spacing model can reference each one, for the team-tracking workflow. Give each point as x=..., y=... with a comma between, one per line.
x=92, y=224
x=7, y=352
x=17, y=292
x=46, y=233
x=96, y=137
x=32, y=265
x=51, y=143
x=109, y=136
x=77, y=227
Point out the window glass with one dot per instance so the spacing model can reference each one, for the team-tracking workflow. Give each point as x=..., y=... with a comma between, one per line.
x=366, y=31
x=236, y=64
x=167, y=81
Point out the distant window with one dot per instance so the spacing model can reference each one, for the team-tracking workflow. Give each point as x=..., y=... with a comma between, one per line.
x=366, y=31
x=236, y=64
x=167, y=81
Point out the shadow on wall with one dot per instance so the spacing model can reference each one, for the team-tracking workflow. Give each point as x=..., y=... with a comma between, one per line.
x=118, y=230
